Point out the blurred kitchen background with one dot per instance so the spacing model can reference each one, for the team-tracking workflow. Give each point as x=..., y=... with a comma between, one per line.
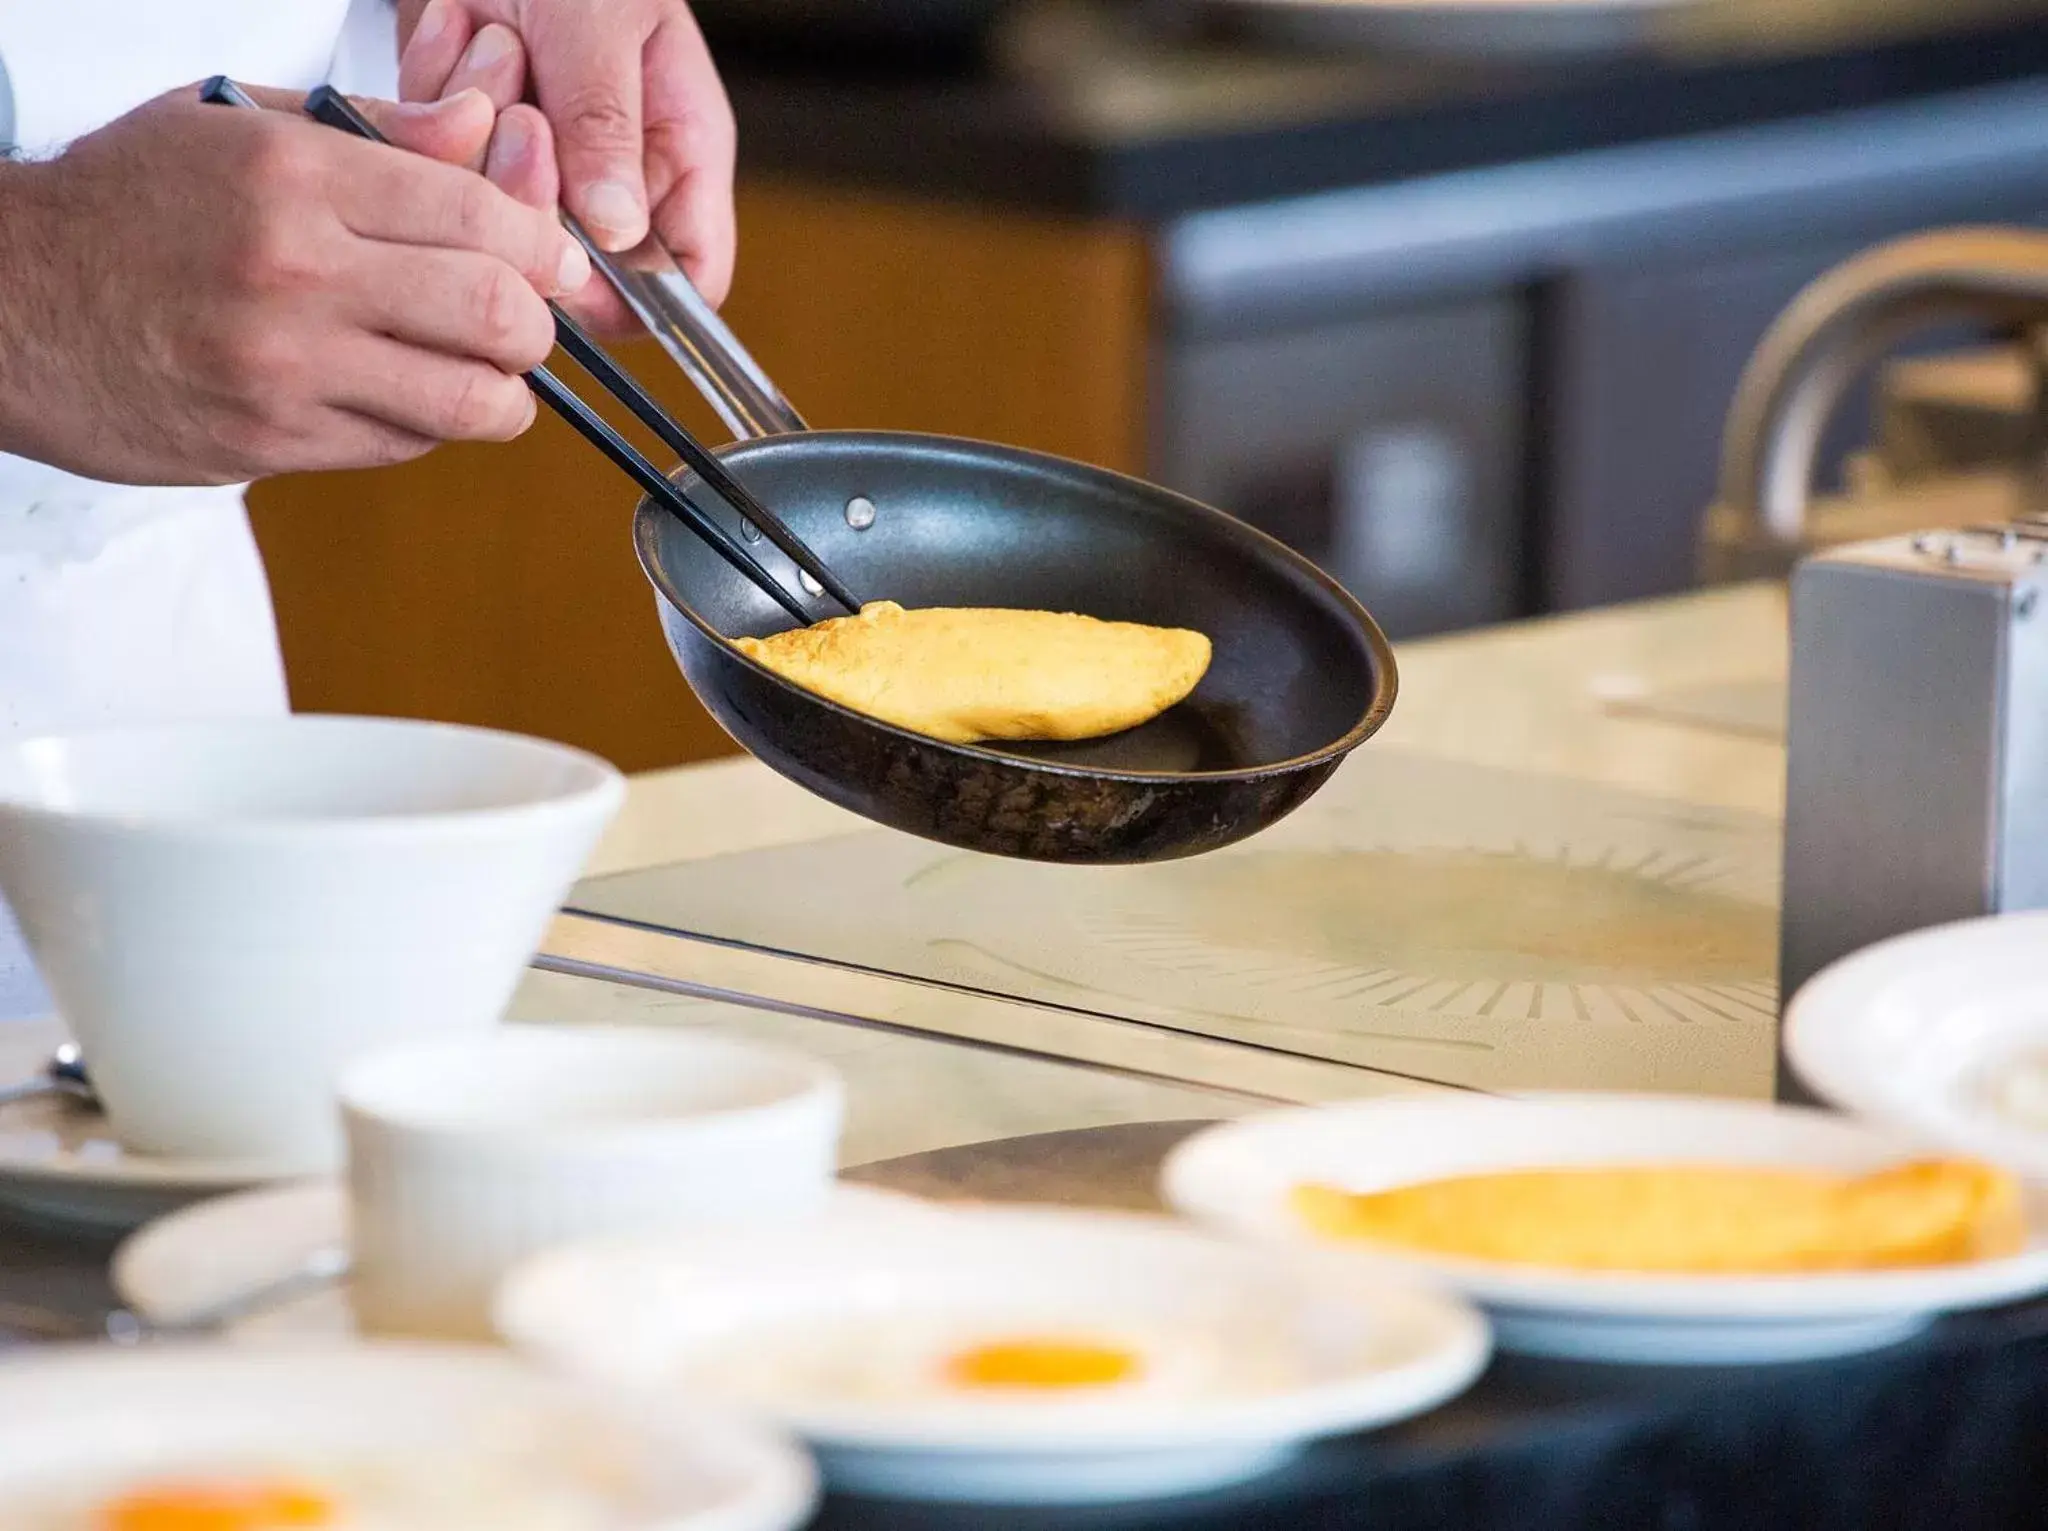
x=1452, y=296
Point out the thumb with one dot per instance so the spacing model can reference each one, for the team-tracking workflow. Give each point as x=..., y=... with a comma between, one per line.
x=455, y=130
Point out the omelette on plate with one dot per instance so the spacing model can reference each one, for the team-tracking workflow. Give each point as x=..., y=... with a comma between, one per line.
x=1690, y=1219
x=965, y=674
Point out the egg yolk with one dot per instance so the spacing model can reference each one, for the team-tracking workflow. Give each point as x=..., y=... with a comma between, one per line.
x=1040, y=1365
x=218, y=1507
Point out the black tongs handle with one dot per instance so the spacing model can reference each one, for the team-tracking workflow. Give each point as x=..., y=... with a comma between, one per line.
x=335, y=110
x=328, y=105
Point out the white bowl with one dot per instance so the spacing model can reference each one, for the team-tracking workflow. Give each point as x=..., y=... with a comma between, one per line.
x=1941, y=1034
x=226, y=913
x=469, y=1154
x=1239, y=1177
x=839, y=1328
x=79, y=1425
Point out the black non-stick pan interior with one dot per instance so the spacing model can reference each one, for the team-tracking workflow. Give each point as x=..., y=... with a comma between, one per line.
x=1297, y=665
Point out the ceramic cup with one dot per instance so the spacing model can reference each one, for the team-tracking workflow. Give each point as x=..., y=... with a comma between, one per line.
x=227, y=913
x=467, y=1156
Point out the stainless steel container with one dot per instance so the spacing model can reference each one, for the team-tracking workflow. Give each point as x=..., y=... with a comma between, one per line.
x=1916, y=786
x=1917, y=779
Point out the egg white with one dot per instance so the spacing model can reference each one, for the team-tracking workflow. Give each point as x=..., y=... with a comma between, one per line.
x=897, y=1361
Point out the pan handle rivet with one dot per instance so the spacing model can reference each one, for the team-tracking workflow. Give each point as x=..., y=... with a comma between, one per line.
x=803, y=578
x=749, y=531
x=860, y=512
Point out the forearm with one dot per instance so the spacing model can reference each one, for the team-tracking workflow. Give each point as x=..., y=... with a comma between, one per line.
x=33, y=392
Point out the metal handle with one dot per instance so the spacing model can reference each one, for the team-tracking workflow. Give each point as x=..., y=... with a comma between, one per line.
x=1841, y=324
x=689, y=329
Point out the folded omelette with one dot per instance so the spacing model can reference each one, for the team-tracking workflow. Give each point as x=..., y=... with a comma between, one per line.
x=1690, y=1219
x=965, y=674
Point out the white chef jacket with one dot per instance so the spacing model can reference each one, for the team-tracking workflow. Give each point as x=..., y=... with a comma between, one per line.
x=119, y=604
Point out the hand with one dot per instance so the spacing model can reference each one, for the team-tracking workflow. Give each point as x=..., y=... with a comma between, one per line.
x=200, y=295
x=633, y=126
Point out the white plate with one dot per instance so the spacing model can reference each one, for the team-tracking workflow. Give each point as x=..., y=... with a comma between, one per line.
x=218, y=1249
x=60, y=1163
x=73, y=1419
x=840, y=1333
x=1934, y=1033
x=1485, y=27
x=1239, y=1176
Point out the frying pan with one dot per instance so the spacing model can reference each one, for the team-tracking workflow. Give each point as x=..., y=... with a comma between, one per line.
x=1301, y=674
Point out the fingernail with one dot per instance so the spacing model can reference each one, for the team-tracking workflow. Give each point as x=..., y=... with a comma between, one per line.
x=510, y=143
x=614, y=207
x=493, y=45
x=573, y=272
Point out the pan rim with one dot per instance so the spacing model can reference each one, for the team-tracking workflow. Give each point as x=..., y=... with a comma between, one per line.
x=1386, y=670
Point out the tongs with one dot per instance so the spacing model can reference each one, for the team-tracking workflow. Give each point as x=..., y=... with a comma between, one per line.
x=647, y=295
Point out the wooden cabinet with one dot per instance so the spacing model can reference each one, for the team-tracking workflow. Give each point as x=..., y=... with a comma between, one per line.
x=497, y=584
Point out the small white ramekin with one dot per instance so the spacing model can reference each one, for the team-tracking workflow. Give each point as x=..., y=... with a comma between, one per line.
x=467, y=1156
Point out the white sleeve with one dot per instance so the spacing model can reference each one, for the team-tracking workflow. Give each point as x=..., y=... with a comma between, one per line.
x=76, y=65
x=366, y=58
x=35, y=54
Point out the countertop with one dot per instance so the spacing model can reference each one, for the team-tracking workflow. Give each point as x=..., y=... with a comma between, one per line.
x=1151, y=110
x=1680, y=700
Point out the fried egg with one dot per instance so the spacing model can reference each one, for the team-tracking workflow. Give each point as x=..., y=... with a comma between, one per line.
x=979, y=1362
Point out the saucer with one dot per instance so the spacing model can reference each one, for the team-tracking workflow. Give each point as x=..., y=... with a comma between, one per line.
x=196, y=1257
x=60, y=1163
x=203, y=1254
